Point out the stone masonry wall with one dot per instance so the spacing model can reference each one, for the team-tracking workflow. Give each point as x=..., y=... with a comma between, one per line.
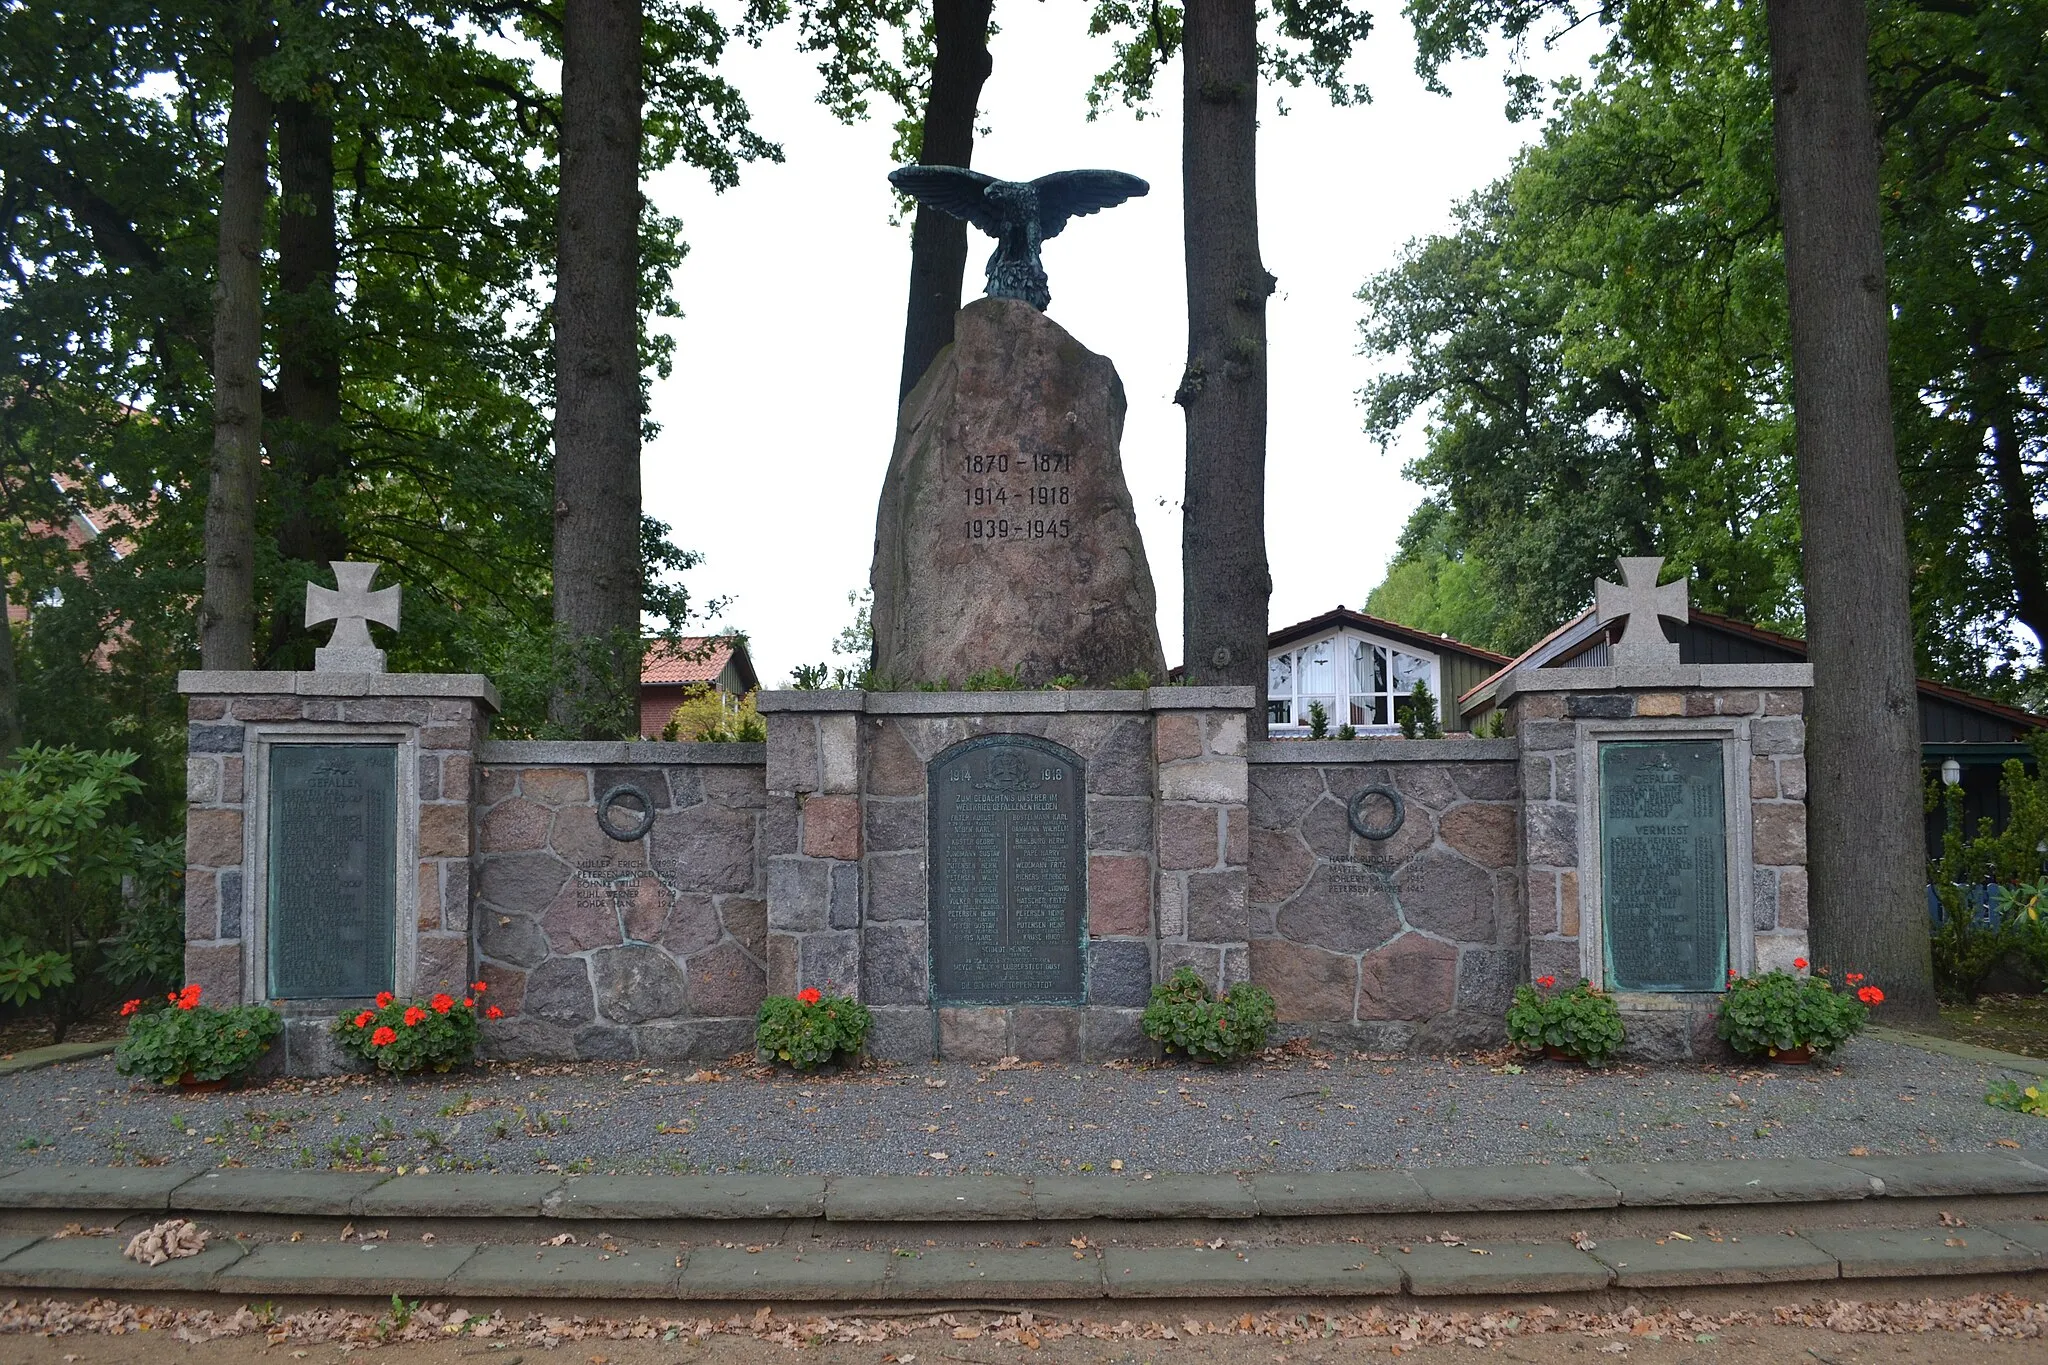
x=1115, y=751
x=222, y=787
x=1545, y=726
x=1411, y=941
x=653, y=949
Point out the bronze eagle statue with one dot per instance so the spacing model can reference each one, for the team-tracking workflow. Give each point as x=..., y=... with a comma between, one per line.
x=1020, y=215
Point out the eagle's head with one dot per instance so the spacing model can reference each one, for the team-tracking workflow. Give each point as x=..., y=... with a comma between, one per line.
x=1010, y=194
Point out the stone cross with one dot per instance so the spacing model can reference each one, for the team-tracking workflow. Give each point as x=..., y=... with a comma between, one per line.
x=351, y=606
x=1641, y=601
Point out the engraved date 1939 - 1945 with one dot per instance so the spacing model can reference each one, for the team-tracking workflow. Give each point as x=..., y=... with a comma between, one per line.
x=1019, y=528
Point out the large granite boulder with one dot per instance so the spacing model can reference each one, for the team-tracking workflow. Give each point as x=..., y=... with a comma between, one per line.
x=1006, y=537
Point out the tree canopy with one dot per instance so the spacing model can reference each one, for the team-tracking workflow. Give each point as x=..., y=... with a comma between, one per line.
x=1599, y=345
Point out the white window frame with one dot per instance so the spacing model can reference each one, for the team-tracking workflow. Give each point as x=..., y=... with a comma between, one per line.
x=1341, y=640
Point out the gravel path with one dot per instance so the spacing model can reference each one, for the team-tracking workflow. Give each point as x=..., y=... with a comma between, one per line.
x=1302, y=1113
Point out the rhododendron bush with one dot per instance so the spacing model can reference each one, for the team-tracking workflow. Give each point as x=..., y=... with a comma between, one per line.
x=404, y=1036
x=183, y=1040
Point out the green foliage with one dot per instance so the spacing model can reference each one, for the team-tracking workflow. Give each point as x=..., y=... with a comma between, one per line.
x=2008, y=1095
x=1580, y=1020
x=24, y=975
x=1967, y=945
x=1418, y=718
x=1778, y=1011
x=401, y=1037
x=1301, y=42
x=1137, y=680
x=1600, y=341
x=808, y=1029
x=1347, y=731
x=1182, y=1015
x=177, y=1040
x=1318, y=721
x=445, y=149
x=708, y=716
x=992, y=680
x=66, y=851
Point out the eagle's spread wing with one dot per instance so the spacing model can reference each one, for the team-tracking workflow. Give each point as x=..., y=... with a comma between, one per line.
x=1067, y=194
x=951, y=189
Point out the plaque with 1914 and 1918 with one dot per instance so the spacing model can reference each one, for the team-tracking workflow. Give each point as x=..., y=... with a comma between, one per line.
x=1008, y=872
x=1663, y=865
x=332, y=869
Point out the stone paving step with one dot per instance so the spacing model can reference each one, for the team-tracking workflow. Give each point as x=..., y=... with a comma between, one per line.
x=982, y=1198
x=780, y=1273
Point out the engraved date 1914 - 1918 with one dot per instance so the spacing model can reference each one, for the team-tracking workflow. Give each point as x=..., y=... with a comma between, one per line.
x=1031, y=495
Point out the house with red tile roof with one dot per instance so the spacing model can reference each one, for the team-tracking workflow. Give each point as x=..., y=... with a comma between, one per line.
x=673, y=670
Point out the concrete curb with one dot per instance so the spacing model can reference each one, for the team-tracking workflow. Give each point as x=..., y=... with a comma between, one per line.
x=836, y=1274
x=976, y=1198
x=36, y=1058
x=1968, y=1052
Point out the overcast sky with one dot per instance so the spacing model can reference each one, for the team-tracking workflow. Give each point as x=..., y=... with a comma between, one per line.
x=778, y=419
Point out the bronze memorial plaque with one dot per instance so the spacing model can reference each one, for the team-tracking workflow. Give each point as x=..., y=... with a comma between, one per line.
x=333, y=874
x=1663, y=865
x=1009, y=887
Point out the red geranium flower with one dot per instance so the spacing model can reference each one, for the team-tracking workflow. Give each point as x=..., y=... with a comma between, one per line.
x=187, y=999
x=130, y=1008
x=1853, y=977
x=414, y=1015
x=809, y=995
x=1546, y=982
x=384, y=1037
x=468, y=1003
x=365, y=1019
x=1800, y=963
x=1870, y=995
x=478, y=987
x=494, y=1013
x=384, y=998
x=442, y=1003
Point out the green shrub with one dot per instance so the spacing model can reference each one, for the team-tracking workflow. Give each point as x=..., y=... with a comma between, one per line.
x=1581, y=1021
x=184, y=1038
x=1318, y=721
x=1184, y=1016
x=1137, y=680
x=1778, y=1011
x=1967, y=948
x=24, y=975
x=404, y=1036
x=1418, y=718
x=809, y=1029
x=2008, y=1095
x=993, y=680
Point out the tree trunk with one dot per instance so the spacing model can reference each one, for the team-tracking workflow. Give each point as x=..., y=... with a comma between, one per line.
x=10, y=682
x=1223, y=392
x=597, y=374
x=938, y=240
x=227, y=613
x=2019, y=528
x=305, y=439
x=1864, y=837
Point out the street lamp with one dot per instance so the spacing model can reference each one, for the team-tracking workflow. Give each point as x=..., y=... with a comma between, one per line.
x=1951, y=772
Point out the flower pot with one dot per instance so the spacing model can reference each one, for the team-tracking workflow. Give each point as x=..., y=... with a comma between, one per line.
x=1792, y=1056
x=1557, y=1054
x=192, y=1085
